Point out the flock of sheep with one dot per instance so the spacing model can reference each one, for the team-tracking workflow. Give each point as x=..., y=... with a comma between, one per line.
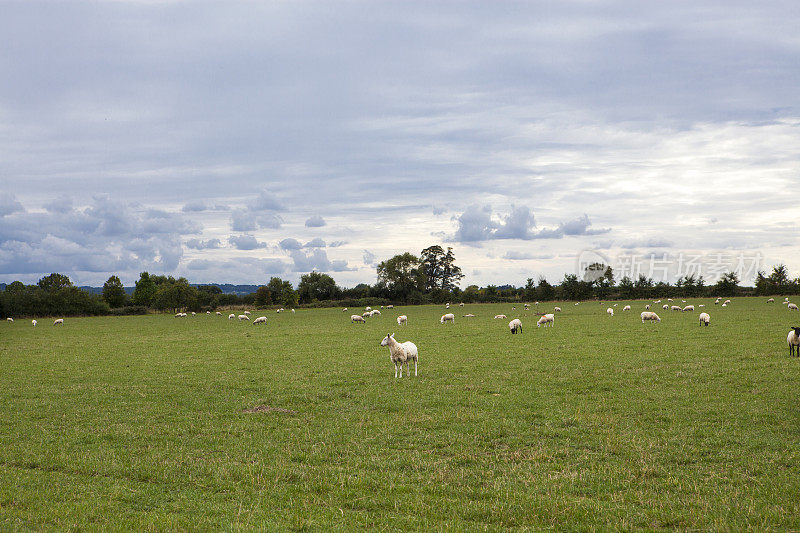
x=56, y=322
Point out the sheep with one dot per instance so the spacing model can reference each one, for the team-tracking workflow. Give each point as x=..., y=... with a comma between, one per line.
x=366, y=314
x=792, y=307
x=793, y=340
x=281, y=310
x=771, y=301
x=701, y=305
x=9, y=319
x=58, y=321
x=726, y=302
x=357, y=318
x=402, y=320
x=683, y=301
x=669, y=299
x=293, y=311
x=247, y=313
x=401, y=352
x=447, y=306
x=449, y=317
x=677, y=308
x=33, y=322
x=515, y=325
x=610, y=311
x=577, y=303
x=500, y=316
x=344, y=310
x=786, y=299
x=557, y=310
x=657, y=302
x=705, y=318
x=469, y=315
x=646, y=307
x=375, y=312
x=193, y=313
x=688, y=308
x=615, y=305
x=461, y=304
x=549, y=318
x=219, y=314
x=208, y=312
x=244, y=317
x=260, y=320
x=665, y=306
x=389, y=307
x=649, y=315
x=179, y=315
x=527, y=306
x=231, y=316
x=724, y=305
x=367, y=308
x=626, y=308
x=535, y=303
x=716, y=302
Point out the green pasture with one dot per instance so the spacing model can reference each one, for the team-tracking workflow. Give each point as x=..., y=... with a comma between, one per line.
x=163, y=423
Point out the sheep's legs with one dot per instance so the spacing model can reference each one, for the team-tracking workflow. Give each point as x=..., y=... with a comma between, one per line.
x=395, y=371
x=415, y=368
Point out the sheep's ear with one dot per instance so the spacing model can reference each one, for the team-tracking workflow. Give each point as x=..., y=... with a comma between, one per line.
x=392, y=335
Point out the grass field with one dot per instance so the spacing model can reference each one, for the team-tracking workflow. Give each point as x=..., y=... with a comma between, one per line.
x=600, y=422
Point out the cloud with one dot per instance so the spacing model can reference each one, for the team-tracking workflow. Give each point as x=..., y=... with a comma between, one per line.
x=336, y=244
x=269, y=221
x=257, y=268
x=194, y=207
x=315, y=222
x=369, y=258
x=317, y=260
x=9, y=204
x=62, y=204
x=315, y=243
x=197, y=244
x=517, y=256
x=266, y=201
x=246, y=242
x=439, y=210
x=652, y=242
x=242, y=221
x=290, y=244
x=477, y=224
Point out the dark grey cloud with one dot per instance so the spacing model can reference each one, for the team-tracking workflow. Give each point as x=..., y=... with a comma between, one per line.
x=246, y=242
x=197, y=244
x=315, y=222
x=9, y=204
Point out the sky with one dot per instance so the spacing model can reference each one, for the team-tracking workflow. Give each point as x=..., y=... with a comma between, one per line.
x=231, y=142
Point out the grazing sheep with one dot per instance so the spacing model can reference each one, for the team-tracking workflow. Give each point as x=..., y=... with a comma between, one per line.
x=219, y=314
x=556, y=309
x=705, y=318
x=357, y=319
x=701, y=305
x=646, y=307
x=657, y=302
x=208, y=312
x=469, y=315
x=260, y=320
x=726, y=302
x=793, y=340
x=179, y=315
x=724, y=305
x=293, y=310
x=390, y=307
x=248, y=312
x=677, y=308
x=626, y=308
x=447, y=306
x=549, y=318
x=665, y=306
x=688, y=308
x=771, y=301
x=244, y=317
x=669, y=299
x=500, y=316
x=527, y=306
x=344, y=310
x=58, y=321
x=366, y=314
x=577, y=303
x=649, y=315
x=792, y=307
x=610, y=311
x=449, y=317
x=461, y=304
x=375, y=312
x=9, y=319
x=231, y=316
x=515, y=325
x=194, y=314
x=402, y=320
x=615, y=305
x=367, y=308
x=33, y=322
x=281, y=310
x=535, y=303
x=401, y=352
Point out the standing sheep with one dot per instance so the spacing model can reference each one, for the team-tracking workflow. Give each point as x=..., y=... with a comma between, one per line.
x=9, y=319
x=688, y=308
x=771, y=301
x=792, y=307
x=58, y=321
x=402, y=320
x=647, y=307
x=244, y=317
x=626, y=308
x=500, y=316
x=610, y=311
x=515, y=325
x=260, y=320
x=231, y=316
x=357, y=319
x=400, y=353
x=793, y=340
x=375, y=312
x=449, y=317
x=556, y=309
x=705, y=318
x=544, y=320
x=665, y=306
x=33, y=323
x=649, y=315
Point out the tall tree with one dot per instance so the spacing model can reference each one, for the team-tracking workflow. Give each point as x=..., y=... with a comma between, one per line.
x=282, y=292
x=402, y=276
x=727, y=284
x=432, y=266
x=54, y=282
x=451, y=274
x=145, y=290
x=114, y=292
x=316, y=286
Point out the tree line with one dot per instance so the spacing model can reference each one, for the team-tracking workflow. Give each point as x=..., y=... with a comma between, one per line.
x=431, y=277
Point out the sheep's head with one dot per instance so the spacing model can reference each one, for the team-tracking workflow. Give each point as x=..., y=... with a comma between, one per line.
x=386, y=341
x=796, y=330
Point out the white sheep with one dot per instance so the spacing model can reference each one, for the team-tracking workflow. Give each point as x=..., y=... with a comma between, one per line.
x=244, y=317
x=219, y=314
x=367, y=308
x=375, y=312
x=615, y=305
x=716, y=302
x=665, y=306
x=647, y=307
x=726, y=302
x=389, y=307
x=701, y=305
x=771, y=300
x=293, y=311
x=193, y=313
x=657, y=302
x=401, y=352
x=231, y=316
x=724, y=305
x=556, y=309
x=344, y=310
x=468, y=315
x=461, y=304
x=500, y=316
x=649, y=315
x=793, y=340
x=447, y=306
x=208, y=312
x=402, y=320
x=610, y=311
x=449, y=317
x=9, y=319
x=792, y=307
x=626, y=308
x=33, y=322
x=281, y=310
x=247, y=312
x=515, y=325
x=366, y=314
x=357, y=319
x=669, y=299
x=58, y=321
x=688, y=308
x=544, y=320
x=260, y=320
x=677, y=308
x=705, y=318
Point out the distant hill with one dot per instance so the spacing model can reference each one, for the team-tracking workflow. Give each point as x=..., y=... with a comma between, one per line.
x=227, y=288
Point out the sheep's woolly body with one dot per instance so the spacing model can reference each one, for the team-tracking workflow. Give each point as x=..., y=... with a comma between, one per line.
x=626, y=308
x=610, y=311
x=500, y=316
x=449, y=317
x=649, y=315
x=705, y=318
x=792, y=307
x=59, y=321
x=401, y=352
x=33, y=323
x=244, y=317
x=793, y=340
x=402, y=319
x=357, y=319
x=689, y=308
x=544, y=320
x=515, y=326
x=231, y=316
x=557, y=310
x=260, y=320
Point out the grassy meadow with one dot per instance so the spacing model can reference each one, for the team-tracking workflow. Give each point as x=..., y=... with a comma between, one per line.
x=155, y=422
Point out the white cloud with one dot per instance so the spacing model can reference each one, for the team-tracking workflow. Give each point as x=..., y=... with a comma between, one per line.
x=315, y=222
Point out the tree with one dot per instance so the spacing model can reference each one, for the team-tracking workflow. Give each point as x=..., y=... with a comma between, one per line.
x=727, y=284
x=316, y=286
x=451, y=274
x=54, y=282
x=544, y=291
x=440, y=269
x=402, y=276
x=263, y=297
x=145, y=290
x=175, y=294
x=282, y=292
x=114, y=292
